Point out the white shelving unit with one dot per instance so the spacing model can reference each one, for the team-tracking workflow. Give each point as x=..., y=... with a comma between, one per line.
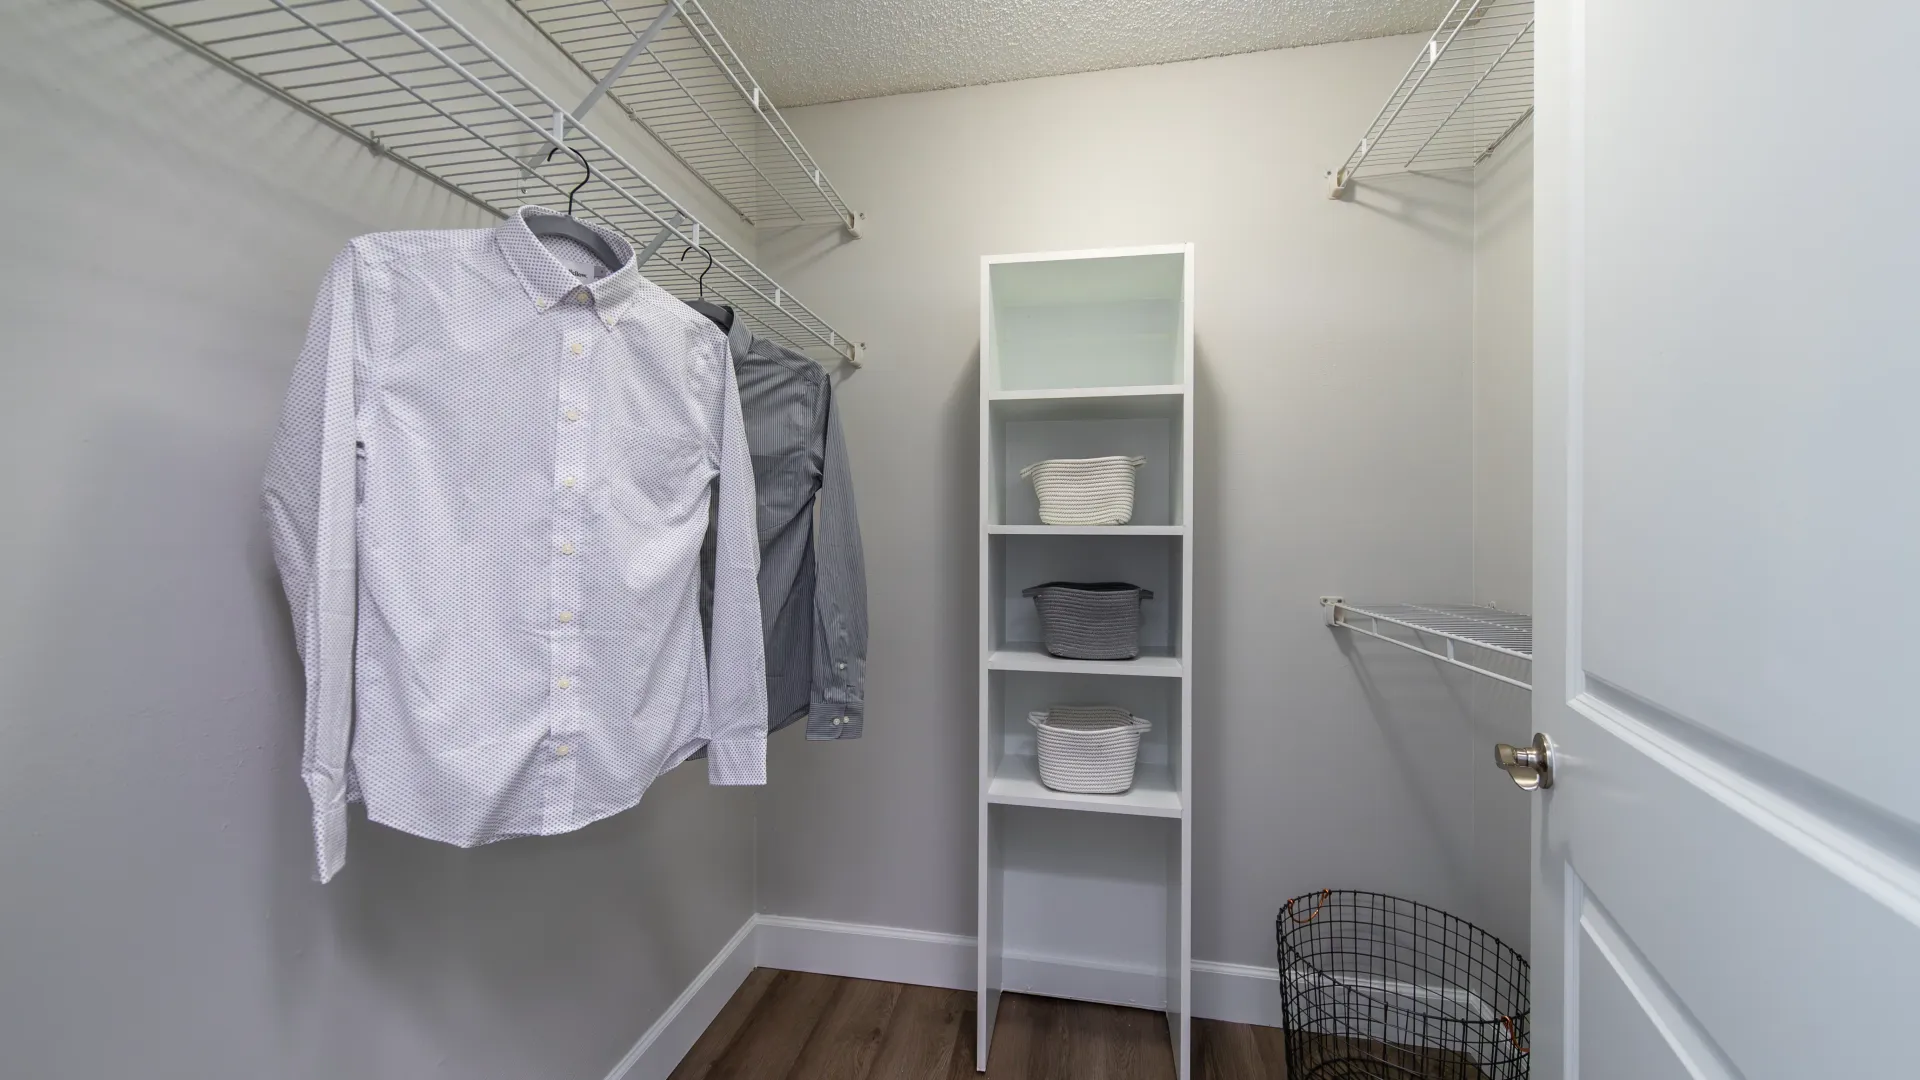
x=1086, y=354
x=414, y=85
x=1468, y=88
x=1438, y=631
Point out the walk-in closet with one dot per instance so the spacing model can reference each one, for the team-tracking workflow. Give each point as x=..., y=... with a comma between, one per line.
x=1044, y=540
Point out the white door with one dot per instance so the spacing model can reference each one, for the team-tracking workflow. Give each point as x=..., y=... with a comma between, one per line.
x=1727, y=867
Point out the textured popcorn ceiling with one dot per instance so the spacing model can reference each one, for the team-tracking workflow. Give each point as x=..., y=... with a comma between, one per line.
x=809, y=51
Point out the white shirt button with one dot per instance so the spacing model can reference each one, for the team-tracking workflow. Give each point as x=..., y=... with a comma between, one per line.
x=571, y=414
x=842, y=665
x=566, y=547
x=582, y=295
x=566, y=481
x=562, y=750
x=575, y=348
x=563, y=682
x=566, y=616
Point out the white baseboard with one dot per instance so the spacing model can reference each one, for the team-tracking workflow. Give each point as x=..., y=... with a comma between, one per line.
x=892, y=954
x=659, y=1051
x=1235, y=992
x=861, y=951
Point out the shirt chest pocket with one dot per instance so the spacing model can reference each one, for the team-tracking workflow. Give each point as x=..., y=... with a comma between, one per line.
x=654, y=478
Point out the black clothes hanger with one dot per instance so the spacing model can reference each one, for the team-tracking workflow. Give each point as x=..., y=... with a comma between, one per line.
x=721, y=314
x=570, y=228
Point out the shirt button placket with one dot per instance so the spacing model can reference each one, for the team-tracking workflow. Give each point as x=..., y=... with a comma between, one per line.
x=573, y=445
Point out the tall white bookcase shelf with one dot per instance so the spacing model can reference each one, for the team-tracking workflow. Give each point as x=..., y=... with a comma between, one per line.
x=1086, y=354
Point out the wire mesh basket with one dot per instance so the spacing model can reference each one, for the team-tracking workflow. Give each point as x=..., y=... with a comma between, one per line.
x=1373, y=987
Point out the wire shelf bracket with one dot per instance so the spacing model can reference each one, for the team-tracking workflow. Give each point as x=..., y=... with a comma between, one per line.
x=668, y=67
x=1469, y=88
x=413, y=85
x=1436, y=631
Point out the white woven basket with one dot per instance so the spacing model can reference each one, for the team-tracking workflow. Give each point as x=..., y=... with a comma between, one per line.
x=1088, y=749
x=1084, y=491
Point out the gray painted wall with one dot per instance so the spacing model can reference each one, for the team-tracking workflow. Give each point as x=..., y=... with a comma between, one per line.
x=1335, y=455
x=1503, y=512
x=156, y=914
x=1503, y=376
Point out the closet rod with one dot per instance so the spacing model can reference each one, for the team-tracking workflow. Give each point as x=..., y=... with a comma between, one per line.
x=413, y=84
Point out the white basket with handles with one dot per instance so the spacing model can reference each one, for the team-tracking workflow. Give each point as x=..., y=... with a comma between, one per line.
x=1084, y=491
x=1088, y=749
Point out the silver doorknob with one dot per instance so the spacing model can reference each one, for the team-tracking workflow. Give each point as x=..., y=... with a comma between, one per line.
x=1529, y=767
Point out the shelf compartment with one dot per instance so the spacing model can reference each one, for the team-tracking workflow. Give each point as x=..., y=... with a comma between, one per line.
x=1012, y=742
x=669, y=68
x=1089, y=891
x=1018, y=443
x=1153, y=662
x=414, y=85
x=1086, y=319
x=1436, y=631
x=1016, y=563
x=1016, y=782
x=1468, y=89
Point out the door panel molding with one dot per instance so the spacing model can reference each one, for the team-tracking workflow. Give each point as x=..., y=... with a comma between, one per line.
x=1573, y=332
x=1563, y=1021
x=1867, y=847
x=1689, y=1042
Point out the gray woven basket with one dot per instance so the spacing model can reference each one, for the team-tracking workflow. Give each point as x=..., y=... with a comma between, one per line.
x=1089, y=620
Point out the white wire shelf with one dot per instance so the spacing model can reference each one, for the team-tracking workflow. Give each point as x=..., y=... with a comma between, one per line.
x=671, y=70
x=1468, y=89
x=416, y=86
x=1436, y=630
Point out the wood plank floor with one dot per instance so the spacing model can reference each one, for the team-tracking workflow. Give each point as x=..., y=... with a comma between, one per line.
x=788, y=1025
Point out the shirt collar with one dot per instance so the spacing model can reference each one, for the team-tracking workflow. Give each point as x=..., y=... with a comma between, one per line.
x=739, y=338
x=548, y=282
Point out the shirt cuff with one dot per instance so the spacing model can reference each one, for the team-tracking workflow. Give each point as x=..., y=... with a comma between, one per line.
x=827, y=720
x=732, y=762
x=329, y=839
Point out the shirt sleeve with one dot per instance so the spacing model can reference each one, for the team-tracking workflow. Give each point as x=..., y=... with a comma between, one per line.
x=838, y=706
x=737, y=654
x=310, y=493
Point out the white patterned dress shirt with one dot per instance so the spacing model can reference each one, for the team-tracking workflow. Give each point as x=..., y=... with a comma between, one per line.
x=487, y=499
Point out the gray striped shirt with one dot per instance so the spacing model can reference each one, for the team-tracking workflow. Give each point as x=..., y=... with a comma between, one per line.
x=813, y=583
